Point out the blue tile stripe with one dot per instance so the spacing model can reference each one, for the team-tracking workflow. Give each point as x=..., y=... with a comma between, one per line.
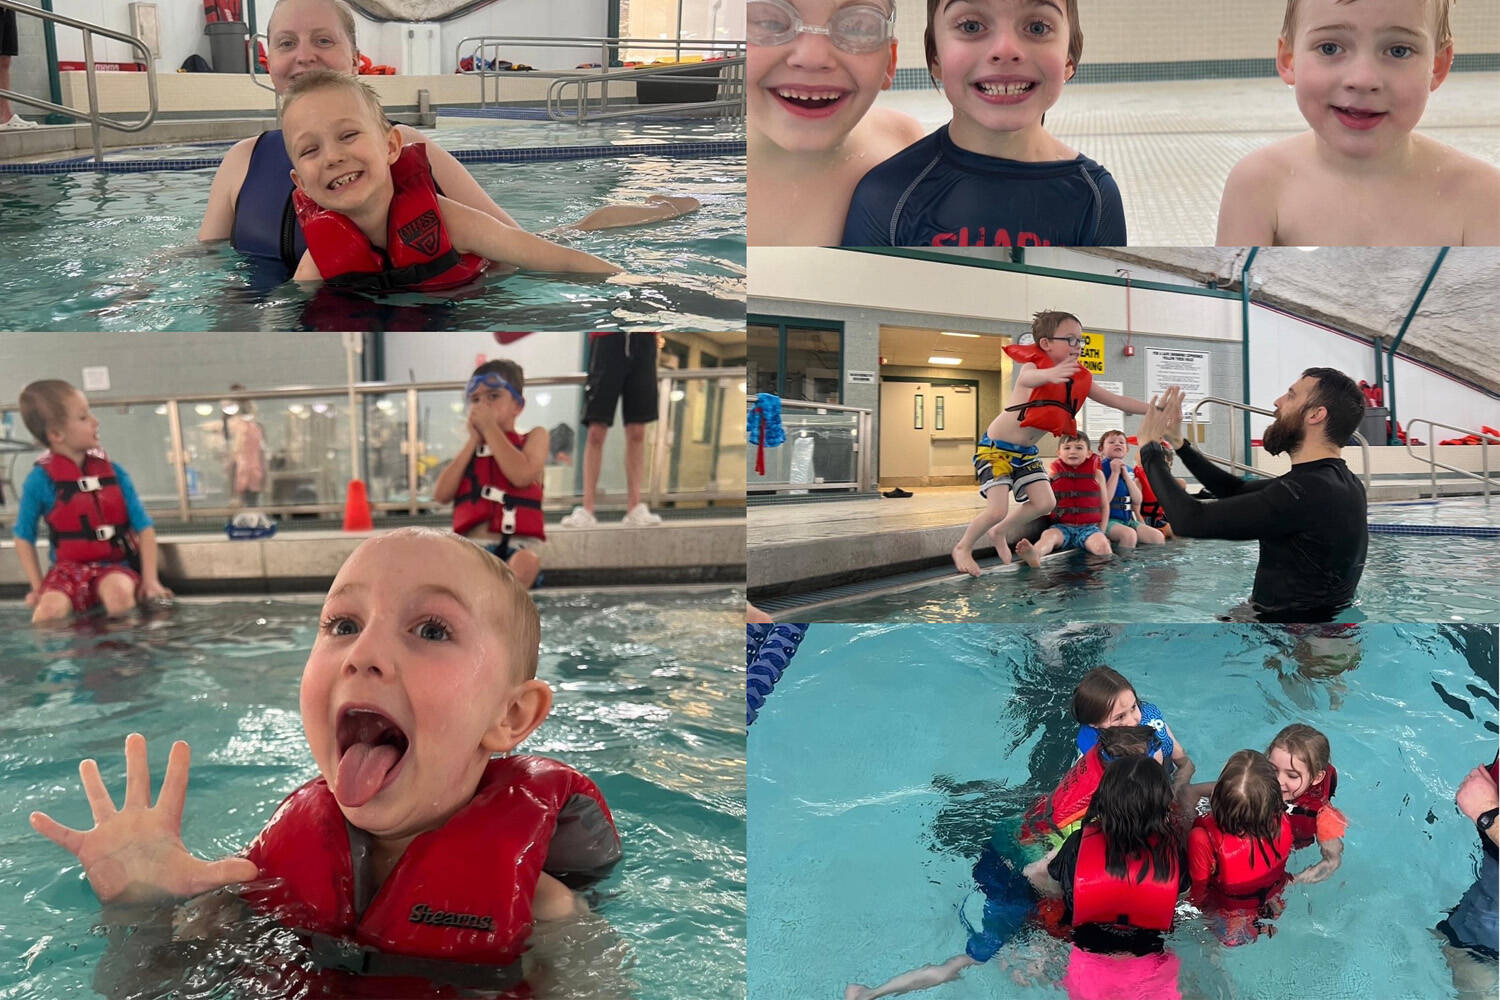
x=517, y=113
x=1471, y=530
x=537, y=154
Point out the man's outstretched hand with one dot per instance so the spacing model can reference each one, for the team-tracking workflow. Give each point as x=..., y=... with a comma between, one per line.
x=135, y=854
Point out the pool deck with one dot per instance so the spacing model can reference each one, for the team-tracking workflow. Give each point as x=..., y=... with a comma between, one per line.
x=688, y=550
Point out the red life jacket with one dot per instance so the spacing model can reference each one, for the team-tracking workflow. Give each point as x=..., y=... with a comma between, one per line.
x=1247, y=868
x=89, y=521
x=1303, y=812
x=1101, y=898
x=1076, y=491
x=1052, y=406
x=485, y=496
x=1150, y=506
x=1052, y=815
x=418, y=254
x=459, y=898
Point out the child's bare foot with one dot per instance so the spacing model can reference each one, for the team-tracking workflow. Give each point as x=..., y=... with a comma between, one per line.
x=1002, y=548
x=964, y=560
x=854, y=991
x=1028, y=555
x=683, y=203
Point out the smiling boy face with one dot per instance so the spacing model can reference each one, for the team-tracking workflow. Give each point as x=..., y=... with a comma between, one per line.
x=1362, y=70
x=341, y=153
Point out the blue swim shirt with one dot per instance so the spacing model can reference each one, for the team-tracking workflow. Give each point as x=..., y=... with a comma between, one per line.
x=933, y=193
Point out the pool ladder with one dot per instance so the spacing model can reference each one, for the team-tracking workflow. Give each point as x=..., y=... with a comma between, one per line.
x=95, y=119
x=1431, y=457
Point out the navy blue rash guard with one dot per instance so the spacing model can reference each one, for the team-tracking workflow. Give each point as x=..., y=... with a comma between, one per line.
x=933, y=193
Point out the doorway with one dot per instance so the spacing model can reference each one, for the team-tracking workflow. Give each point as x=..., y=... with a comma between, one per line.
x=927, y=430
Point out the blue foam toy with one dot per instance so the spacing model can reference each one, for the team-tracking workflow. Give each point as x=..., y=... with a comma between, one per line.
x=768, y=406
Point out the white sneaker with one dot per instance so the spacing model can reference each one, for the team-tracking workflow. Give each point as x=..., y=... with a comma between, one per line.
x=580, y=518
x=640, y=516
x=17, y=122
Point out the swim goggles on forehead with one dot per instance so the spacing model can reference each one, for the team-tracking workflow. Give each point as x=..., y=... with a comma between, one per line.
x=856, y=29
x=493, y=380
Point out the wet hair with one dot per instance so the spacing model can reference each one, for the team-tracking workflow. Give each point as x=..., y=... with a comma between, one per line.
x=44, y=407
x=1306, y=744
x=1046, y=322
x=1443, y=29
x=1063, y=439
x=1339, y=394
x=513, y=617
x=1109, y=434
x=1095, y=695
x=508, y=370
x=1125, y=741
x=316, y=80
x=1133, y=808
x=1246, y=801
x=346, y=21
x=1075, y=35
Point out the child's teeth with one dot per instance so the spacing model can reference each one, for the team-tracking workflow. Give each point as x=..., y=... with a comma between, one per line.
x=789, y=95
x=1005, y=88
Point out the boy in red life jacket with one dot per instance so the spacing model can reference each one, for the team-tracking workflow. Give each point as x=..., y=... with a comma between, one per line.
x=418, y=852
x=1051, y=387
x=495, y=481
x=97, y=525
x=1078, y=519
x=361, y=224
x=1237, y=854
x=1308, y=780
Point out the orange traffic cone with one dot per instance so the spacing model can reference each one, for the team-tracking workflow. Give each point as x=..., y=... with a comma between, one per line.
x=356, y=507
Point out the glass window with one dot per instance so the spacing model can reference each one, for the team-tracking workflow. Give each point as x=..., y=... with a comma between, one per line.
x=760, y=358
x=814, y=360
x=684, y=21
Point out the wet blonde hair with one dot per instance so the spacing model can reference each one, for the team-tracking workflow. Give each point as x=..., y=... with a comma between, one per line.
x=346, y=21
x=1443, y=31
x=316, y=80
x=1306, y=744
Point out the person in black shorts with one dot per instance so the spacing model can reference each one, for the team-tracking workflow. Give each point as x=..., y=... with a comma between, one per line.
x=620, y=364
x=1310, y=522
x=10, y=45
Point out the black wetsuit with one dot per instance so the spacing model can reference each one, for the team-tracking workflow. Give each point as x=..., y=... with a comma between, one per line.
x=1310, y=523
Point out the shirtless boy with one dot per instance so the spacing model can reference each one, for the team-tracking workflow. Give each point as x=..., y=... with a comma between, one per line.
x=1361, y=175
x=815, y=67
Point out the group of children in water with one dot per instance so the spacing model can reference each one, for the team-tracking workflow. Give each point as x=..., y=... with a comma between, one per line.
x=828, y=169
x=1127, y=834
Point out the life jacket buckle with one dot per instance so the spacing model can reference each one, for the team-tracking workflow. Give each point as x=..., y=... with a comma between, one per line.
x=492, y=493
x=105, y=533
x=483, y=451
x=508, y=522
x=89, y=484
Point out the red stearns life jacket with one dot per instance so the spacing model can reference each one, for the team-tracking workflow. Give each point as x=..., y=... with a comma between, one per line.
x=1303, y=812
x=1247, y=868
x=457, y=906
x=1078, y=495
x=418, y=254
x=1051, y=815
x=89, y=521
x=1052, y=406
x=1101, y=898
x=1150, y=506
x=485, y=496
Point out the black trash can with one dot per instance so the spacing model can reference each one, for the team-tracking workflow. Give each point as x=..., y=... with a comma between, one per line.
x=1373, y=426
x=681, y=87
x=226, y=46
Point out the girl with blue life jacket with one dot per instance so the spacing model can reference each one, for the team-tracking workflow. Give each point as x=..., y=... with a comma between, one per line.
x=495, y=481
x=1125, y=528
x=1105, y=698
x=425, y=847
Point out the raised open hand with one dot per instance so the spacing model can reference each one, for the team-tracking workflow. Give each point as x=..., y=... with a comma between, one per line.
x=1163, y=419
x=135, y=854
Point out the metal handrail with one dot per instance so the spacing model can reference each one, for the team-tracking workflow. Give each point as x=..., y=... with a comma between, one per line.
x=730, y=80
x=1433, y=464
x=94, y=118
x=1233, y=461
x=491, y=44
x=252, y=58
x=178, y=453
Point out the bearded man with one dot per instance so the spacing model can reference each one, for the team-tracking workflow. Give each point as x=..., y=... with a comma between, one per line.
x=1310, y=522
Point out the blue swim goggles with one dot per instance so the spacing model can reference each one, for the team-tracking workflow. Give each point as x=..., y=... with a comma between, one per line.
x=493, y=380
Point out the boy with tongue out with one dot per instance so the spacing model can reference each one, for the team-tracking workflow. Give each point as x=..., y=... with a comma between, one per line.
x=1361, y=174
x=416, y=843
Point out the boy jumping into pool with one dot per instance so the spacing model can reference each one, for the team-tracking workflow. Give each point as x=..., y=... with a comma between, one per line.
x=1361, y=175
x=495, y=481
x=368, y=207
x=417, y=850
x=103, y=545
x=1051, y=386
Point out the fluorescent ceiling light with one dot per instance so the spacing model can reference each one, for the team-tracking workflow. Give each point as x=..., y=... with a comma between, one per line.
x=944, y=361
x=950, y=333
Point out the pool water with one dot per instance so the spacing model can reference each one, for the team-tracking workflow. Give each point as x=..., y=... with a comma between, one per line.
x=866, y=820
x=646, y=703
x=1406, y=579
x=90, y=251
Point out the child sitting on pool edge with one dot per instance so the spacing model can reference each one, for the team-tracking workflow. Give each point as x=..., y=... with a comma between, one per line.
x=495, y=480
x=1078, y=518
x=1125, y=528
x=410, y=688
x=1361, y=174
x=103, y=545
x=368, y=207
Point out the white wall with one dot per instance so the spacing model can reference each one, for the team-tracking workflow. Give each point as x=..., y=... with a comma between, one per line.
x=453, y=356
